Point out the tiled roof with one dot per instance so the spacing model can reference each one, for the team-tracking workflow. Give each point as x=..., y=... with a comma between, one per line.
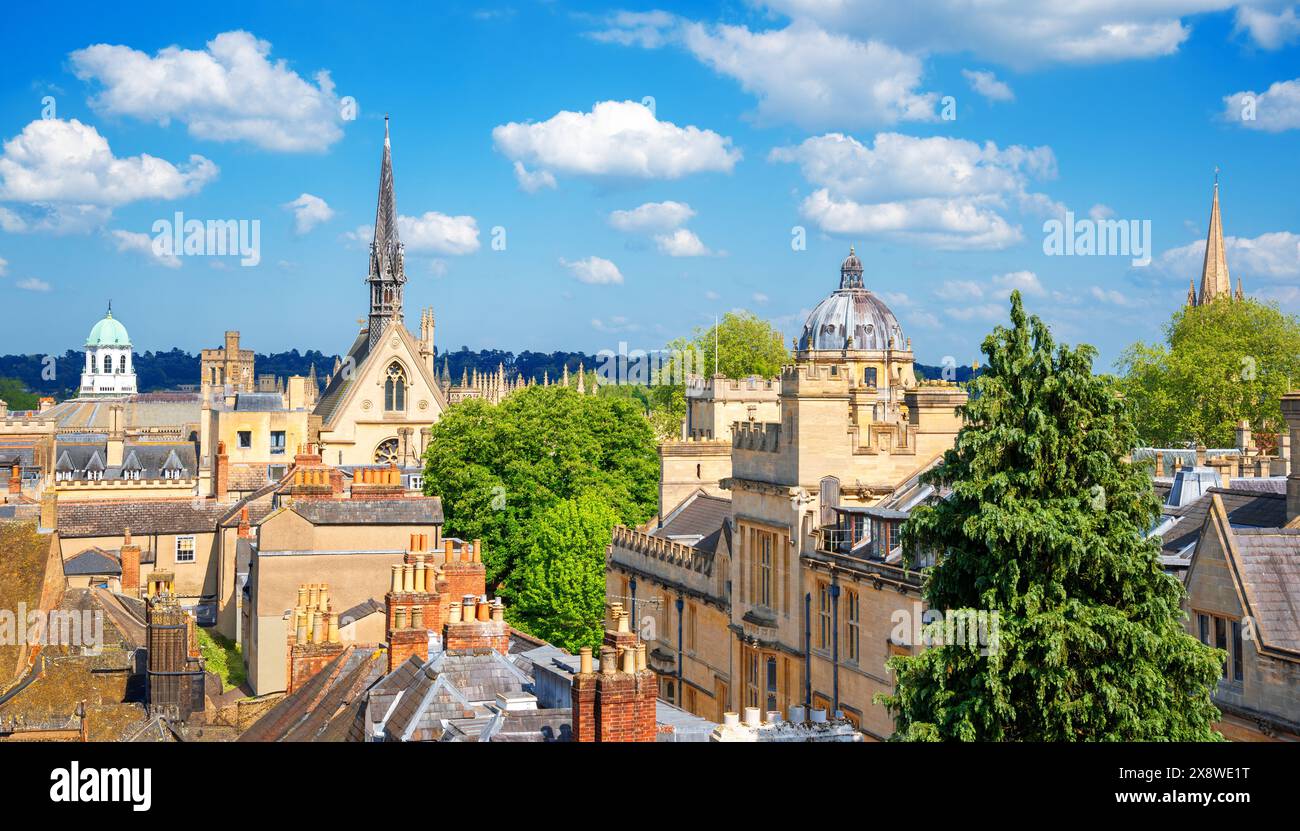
x=699, y=515
x=1245, y=508
x=108, y=517
x=92, y=561
x=1270, y=574
x=424, y=510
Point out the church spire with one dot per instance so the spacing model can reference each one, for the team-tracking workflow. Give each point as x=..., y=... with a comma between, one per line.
x=1215, y=281
x=387, y=272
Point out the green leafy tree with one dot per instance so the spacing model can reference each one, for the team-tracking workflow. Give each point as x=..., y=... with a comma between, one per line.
x=16, y=395
x=1046, y=527
x=746, y=345
x=559, y=585
x=500, y=467
x=1222, y=362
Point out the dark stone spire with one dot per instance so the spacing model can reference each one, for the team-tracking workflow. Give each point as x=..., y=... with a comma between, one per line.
x=387, y=269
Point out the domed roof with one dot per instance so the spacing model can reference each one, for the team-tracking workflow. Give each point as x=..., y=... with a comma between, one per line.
x=108, y=332
x=853, y=313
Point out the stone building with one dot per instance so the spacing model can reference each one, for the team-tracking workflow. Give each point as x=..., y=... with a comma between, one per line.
x=852, y=427
x=227, y=366
x=109, y=369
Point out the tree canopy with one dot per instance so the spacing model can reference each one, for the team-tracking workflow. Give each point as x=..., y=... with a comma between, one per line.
x=1046, y=527
x=1221, y=362
x=501, y=468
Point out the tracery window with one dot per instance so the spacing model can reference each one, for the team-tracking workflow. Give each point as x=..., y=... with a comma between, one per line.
x=386, y=452
x=395, y=388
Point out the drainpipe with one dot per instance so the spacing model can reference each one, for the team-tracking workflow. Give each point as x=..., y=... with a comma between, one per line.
x=636, y=621
x=681, y=677
x=807, y=651
x=835, y=644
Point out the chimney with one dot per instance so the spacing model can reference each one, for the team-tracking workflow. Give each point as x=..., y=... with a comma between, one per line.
x=465, y=574
x=49, y=509
x=618, y=703
x=477, y=626
x=221, y=473
x=313, y=635
x=245, y=530
x=16, y=480
x=1243, y=436
x=130, y=555
x=1291, y=412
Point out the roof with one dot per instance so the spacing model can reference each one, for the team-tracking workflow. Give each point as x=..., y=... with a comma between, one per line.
x=308, y=713
x=1249, y=509
x=1269, y=572
x=92, y=561
x=109, y=517
x=423, y=510
x=339, y=382
x=149, y=458
x=259, y=402
x=108, y=332
x=698, y=515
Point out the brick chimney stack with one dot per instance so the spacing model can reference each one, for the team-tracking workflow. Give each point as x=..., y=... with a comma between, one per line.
x=1291, y=412
x=463, y=568
x=475, y=625
x=378, y=483
x=616, y=704
x=313, y=634
x=415, y=603
x=245, y=529
x=130, y=555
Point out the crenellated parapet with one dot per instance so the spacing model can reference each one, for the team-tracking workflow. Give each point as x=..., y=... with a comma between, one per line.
x=757, y=437
x=664, y=550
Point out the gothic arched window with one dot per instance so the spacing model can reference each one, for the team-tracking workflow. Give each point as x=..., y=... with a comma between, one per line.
x=395, y=388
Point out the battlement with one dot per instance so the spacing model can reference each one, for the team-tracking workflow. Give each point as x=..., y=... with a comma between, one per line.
x=722, y=388
x=664, y=550
x=759, y=437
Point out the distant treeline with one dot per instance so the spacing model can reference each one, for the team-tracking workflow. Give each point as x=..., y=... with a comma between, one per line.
x=157, y=371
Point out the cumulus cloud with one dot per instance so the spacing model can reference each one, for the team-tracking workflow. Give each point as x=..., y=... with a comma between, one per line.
x=4, y=266
x=1026, y=282
x=652, y=216
x=229, y=91
x=617, y=139
x=1273, y=111
x=1018, y=33
x=33, y=284
x=986, y=300
x=649, y=30
x=986, y=84
x=814, y=78
x=56, y=161
x=596, y=271
x=950, y=193
x=681, y=243
x=308, y=212
x=1269, y=30
x=1269, y=257
x=615, y=324
x=1110, y=297
x=431, y=232
x=142, y=244
x=532, y=181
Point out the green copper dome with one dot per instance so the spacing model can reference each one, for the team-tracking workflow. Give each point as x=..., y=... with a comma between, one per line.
x=108, y=332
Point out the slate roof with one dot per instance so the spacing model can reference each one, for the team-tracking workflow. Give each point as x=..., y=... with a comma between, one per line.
x=1270, y=575
x=150, y=458
x=308, y=713
x=405, y=511
x=259, y=402
x=550, y=725
x=108, y=517
x=1245, y=509
x=363, y=609
x=340, y=381
x=699, y=515
x=92, y=561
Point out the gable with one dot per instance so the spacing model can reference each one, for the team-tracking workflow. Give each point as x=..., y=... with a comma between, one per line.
x=1211, y=587
x=425, y=401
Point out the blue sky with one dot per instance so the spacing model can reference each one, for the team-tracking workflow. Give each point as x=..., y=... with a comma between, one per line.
x=532, y=117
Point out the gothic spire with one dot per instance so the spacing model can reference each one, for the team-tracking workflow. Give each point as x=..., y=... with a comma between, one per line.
x=1214, y=273
x=387, y=270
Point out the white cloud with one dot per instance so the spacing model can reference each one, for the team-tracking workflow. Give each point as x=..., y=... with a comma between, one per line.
x=760, y=298
x=143, y=244
x=1269, y=257
x=617, y=139
x=648, y=30
x=614, y=324
x=681, y=243
x=1268, y=30
x=814, y=78
x=531, y=181
x=69, y=166
x=964, y=299
x=1099, y=212
x=986, y=84
x=431, y=232
x=1272, y=111
x=959, y=290
x=1018, y=33
x=596, y=271
x=1026, y=282
x=308, y=212
x=229, y=91
x=950, y=193
x=33, y=284
x=439, y=267
x=4, y=266
x=712, y=295
x=652, y=216
x=1110, y=296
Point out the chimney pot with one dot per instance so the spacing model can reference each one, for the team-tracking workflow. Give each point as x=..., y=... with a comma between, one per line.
x=753, y=717
x=731, y=719
x=629, y=661
x=453, y=612
x=417, y=617
x=584, y=660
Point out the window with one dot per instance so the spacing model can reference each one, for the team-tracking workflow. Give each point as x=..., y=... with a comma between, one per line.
x=386, y=453
x=869, y=376
x=1204, y=622
x=395, y=388
x=1237, y=673
x=95, y=475
x=131, y=474
x=277, y=441
x=771, y=683
x=184, y=549
x=765, y=569
x=245, y=439
x=824, y=616
x=751, y=678
x=690, y=627
x=852, y=629
x=1221, y=639
x=417, y=482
